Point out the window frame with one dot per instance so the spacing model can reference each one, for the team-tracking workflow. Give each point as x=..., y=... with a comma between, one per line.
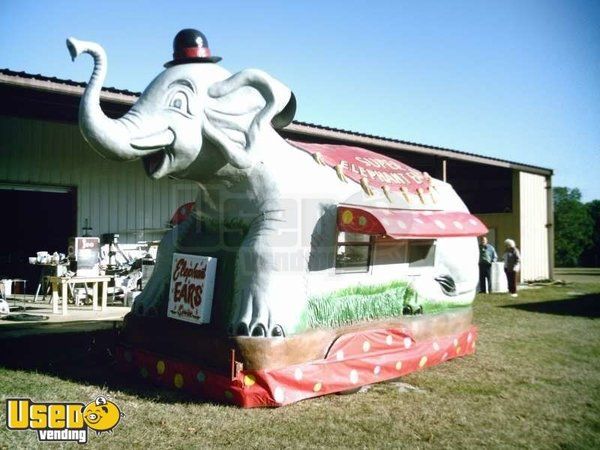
x=370, y=244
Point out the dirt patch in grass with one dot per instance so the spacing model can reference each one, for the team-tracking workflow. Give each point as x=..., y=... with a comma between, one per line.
x=533, y=383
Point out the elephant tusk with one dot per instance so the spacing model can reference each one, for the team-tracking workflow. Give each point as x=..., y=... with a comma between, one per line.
x=433, y=196
x=364, y=182
x=319, y=159
x=405, y=194
x=386, y=191
x=340, y=173
x=154, y=141
x=421, y=195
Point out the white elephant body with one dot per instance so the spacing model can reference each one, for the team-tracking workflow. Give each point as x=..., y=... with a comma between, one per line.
x=266, y=208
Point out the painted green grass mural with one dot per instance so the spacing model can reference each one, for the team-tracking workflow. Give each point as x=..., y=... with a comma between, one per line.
x=358, y=303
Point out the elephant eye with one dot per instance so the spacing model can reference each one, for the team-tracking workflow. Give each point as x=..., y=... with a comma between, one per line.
x=179, y=102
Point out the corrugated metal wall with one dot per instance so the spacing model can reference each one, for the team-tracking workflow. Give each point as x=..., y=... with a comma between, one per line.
x=114, y=197
x=534, y=234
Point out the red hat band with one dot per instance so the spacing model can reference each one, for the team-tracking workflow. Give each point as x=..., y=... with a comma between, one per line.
x=192, y=52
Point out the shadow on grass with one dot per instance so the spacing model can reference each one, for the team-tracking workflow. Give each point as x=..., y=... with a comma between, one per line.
x=587, y=305
x=84, y=357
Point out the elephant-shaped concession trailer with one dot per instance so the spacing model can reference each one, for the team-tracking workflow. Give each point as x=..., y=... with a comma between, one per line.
x=303, y=268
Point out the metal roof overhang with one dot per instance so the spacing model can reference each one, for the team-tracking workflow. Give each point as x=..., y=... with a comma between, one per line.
x=70, y=88
x=344, y=136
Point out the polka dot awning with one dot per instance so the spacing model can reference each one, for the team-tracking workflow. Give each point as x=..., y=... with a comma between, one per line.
x=407, y=224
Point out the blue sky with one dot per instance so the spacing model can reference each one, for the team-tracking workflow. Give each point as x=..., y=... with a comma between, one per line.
x=517, y=80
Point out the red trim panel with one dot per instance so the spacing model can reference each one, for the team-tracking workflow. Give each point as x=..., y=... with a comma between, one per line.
x=354, y=360
x=405, y=224
x=192, y=52
x=182, y=213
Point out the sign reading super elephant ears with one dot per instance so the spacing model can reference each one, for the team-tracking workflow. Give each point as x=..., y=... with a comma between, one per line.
x=361, y=165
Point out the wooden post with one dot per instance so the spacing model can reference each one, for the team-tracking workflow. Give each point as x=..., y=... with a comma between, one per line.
x=54, y=283
x=65, y=296
x=444, y=170
x=95, y=296
x=104, y=294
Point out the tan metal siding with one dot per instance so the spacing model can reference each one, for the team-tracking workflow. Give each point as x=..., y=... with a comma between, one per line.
x=506, y=226
x=534, y=234
x=115, y=197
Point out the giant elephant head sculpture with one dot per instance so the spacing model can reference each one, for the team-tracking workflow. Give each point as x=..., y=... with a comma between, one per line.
x=193, y=106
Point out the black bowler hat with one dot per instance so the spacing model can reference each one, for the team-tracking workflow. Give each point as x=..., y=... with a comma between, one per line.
x=191, y=46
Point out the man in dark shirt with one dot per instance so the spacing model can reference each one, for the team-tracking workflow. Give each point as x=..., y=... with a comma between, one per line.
x=487, y=255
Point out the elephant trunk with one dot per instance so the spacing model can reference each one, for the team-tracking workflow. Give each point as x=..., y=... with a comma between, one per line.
x=109, y=137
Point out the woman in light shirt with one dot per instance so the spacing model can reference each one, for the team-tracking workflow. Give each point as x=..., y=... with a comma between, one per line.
x=512, y=265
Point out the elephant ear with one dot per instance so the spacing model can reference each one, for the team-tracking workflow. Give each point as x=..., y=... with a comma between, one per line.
x=239, y=108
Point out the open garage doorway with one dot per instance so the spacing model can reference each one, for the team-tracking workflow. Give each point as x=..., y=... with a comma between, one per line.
x=35, y=218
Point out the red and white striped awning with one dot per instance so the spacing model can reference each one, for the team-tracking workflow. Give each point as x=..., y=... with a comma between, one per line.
x=408, y=224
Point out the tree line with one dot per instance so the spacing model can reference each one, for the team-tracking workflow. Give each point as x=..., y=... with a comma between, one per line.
x=576, y=229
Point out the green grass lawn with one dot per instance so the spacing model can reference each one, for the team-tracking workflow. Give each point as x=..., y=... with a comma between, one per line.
x=534, y=383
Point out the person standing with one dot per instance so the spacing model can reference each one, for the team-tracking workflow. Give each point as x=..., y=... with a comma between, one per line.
x=487, y=255
x=512, y=265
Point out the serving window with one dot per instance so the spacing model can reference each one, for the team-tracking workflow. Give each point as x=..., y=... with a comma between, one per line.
x=353, y=252
x=413, y=252
x=421, y=253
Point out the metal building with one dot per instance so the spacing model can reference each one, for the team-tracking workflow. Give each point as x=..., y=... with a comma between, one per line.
x=52, y=185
